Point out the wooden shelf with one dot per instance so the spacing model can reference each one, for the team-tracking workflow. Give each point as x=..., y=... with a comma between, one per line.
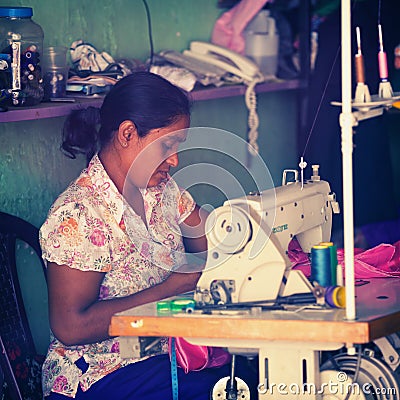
x=47, y=110
x=60, y=109
x=239, y=90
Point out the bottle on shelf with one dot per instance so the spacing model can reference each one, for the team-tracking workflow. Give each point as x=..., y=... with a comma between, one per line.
x=21, y=44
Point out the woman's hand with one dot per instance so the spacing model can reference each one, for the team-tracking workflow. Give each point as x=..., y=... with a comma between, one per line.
x=180, y=282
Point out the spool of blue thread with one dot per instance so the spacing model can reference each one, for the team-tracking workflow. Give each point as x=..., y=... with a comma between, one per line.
x=321, y=265
x=334, y=260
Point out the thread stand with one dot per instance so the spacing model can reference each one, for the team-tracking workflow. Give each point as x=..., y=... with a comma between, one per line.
x=362, y=93
x=385, y=90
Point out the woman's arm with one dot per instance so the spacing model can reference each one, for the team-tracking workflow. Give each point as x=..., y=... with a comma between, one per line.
x=77, y=316
x=193, y=232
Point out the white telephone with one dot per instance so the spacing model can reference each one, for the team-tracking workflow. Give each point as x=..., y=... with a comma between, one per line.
x=213, y=64
x=225, y=59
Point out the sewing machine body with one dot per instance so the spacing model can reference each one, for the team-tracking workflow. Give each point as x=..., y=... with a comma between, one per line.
x=248, y=240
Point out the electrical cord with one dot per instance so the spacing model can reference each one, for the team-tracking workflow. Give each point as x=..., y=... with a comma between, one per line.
x=149, y=33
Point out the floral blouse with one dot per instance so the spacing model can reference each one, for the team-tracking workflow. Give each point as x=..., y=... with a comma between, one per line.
x=91, y=227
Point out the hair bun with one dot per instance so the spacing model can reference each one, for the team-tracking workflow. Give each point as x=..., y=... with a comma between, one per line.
x=80, y=133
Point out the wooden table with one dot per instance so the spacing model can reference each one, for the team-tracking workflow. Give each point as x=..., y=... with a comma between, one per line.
x=285, y=338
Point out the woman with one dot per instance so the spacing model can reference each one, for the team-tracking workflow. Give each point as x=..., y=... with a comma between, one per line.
x=116, y=239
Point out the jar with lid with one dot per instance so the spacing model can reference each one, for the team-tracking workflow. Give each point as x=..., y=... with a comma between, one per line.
x=21, y=44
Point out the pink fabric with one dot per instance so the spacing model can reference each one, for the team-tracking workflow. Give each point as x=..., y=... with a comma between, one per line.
x=228, y=28
x=382, y=261
x=192, y=357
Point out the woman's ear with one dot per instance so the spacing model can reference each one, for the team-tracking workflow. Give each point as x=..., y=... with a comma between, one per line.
x=126, y=132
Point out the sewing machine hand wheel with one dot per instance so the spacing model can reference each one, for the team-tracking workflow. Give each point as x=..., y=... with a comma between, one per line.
x=228, y=228
x=219, y=390
x=231, y=387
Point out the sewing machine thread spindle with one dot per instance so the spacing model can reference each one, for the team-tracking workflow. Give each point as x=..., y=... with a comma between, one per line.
x=359, y=60
x=302, y=165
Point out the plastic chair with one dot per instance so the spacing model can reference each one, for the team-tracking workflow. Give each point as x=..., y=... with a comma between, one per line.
x=19, y=362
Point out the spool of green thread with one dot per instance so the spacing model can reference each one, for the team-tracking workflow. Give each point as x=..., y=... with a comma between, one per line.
x=182, y=305
x=175, y=306
x=163, y=307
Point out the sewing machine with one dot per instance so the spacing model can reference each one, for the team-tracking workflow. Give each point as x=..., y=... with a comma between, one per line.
x=248, y=241
x=248, y=238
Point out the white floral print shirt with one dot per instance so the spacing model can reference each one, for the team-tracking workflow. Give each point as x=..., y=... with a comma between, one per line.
x=91, y=227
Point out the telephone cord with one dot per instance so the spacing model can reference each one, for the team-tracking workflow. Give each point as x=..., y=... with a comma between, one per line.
x=253, y=121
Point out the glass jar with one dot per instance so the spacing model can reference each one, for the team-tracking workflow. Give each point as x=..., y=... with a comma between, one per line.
x=21, y=44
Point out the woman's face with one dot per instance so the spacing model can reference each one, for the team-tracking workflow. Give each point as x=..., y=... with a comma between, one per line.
x=156, y=153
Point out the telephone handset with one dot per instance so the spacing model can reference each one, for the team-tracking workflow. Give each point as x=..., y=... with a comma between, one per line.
x=225, y=59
